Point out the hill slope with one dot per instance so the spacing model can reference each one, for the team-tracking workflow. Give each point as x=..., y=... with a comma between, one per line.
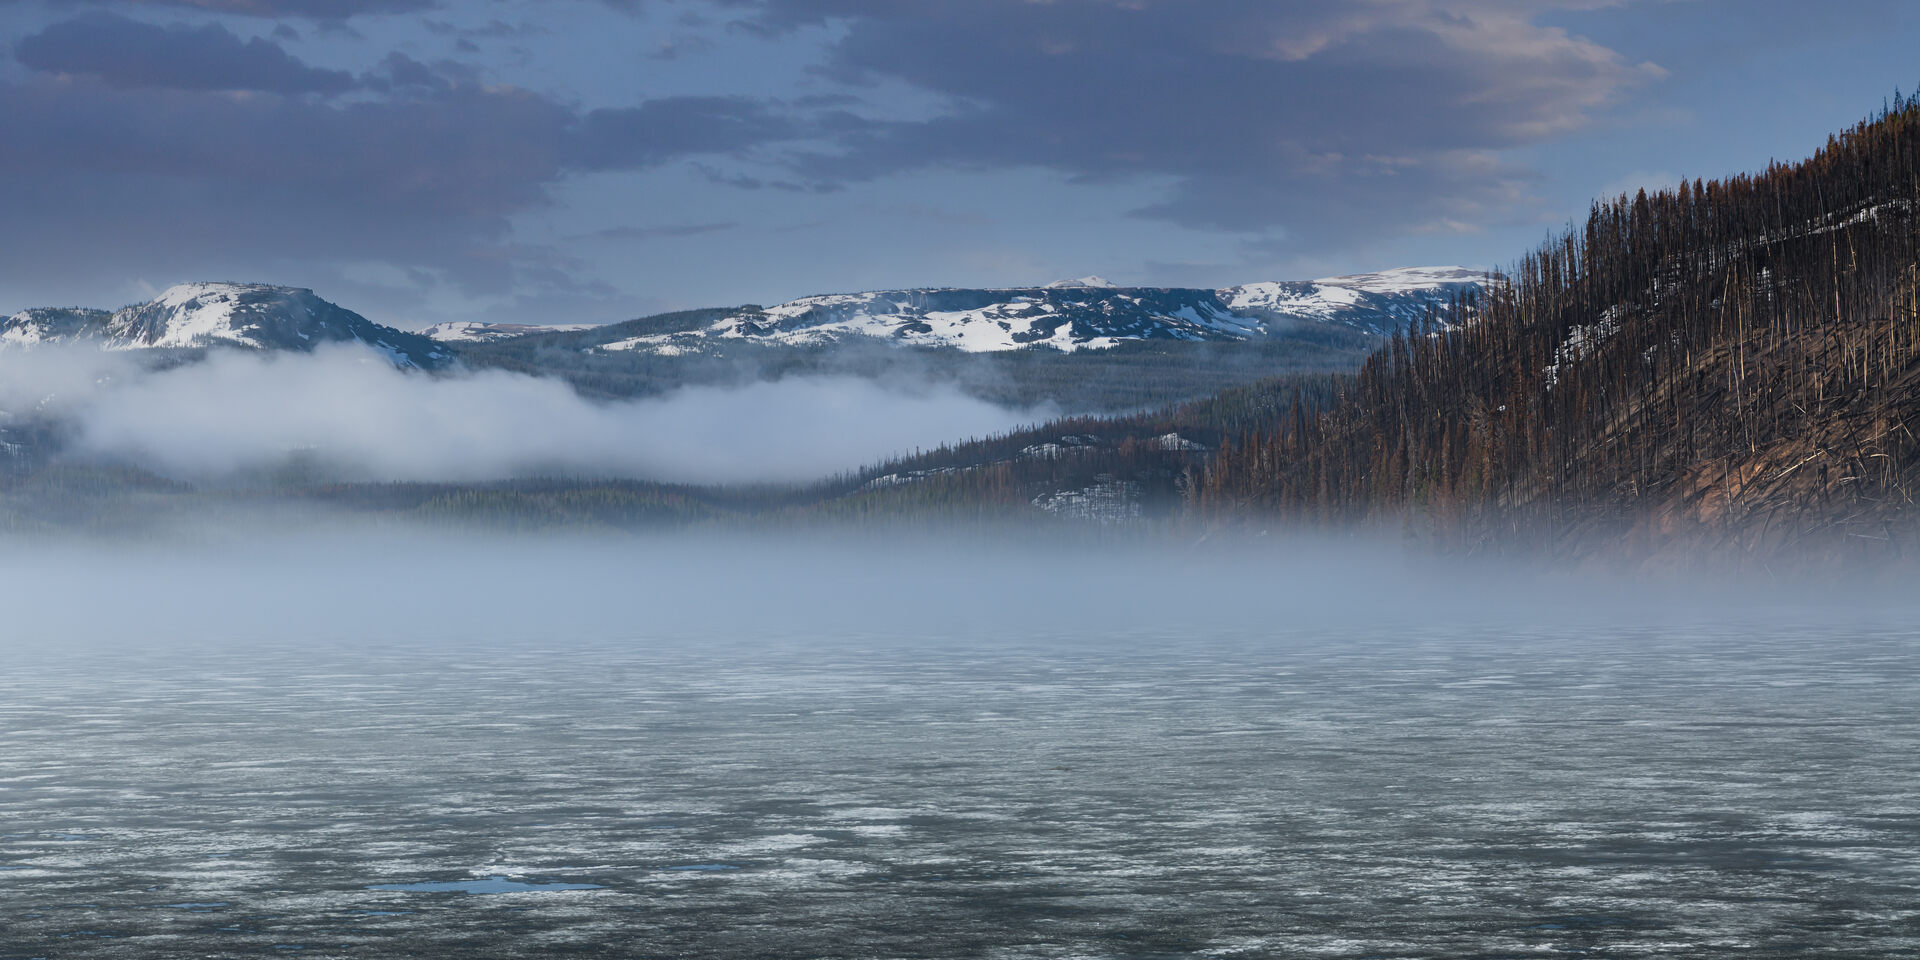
x=1730, y=366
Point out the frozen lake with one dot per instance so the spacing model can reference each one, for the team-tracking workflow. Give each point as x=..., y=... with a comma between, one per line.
x=1703, y=793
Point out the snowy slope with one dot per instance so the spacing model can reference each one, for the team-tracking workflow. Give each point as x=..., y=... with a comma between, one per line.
x=1084, y=314
x=53, y=325
x=1064, y=318
x=474, y=331
x=977, y=321
x=1376, y=302
x=197, y=315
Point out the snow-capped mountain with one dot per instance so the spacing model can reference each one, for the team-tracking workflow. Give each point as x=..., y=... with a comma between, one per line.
x=1088, y=313
x=195, y=315
x=1084, y=314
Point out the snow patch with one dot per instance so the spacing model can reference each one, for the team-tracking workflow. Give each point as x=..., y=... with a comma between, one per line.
x=475, y=331
x=1581, y=342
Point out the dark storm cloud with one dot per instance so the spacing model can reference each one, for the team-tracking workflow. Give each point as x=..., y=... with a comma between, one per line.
x=1265, y=113
x=183, y=180
x=131, y=53
x=423, y=167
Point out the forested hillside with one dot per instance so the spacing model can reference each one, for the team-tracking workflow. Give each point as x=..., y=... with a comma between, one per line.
x=1730, y=364
x=1104, y=470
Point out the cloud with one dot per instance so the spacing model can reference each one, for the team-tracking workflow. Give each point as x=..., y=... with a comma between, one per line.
x=131, y=53
x=184, y=182
x=333, y=10
x=665, y=231
x=137, y=150
x=130, y=153
x=349, y=410
x=1305, y=116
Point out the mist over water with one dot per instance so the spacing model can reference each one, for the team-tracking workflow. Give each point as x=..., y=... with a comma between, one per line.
x=316, y=576
x=415, y=743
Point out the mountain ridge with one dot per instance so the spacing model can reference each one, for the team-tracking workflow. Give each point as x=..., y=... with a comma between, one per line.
x=195, y=316
x=1083, y=314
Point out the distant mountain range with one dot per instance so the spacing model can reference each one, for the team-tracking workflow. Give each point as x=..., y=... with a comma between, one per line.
x=1071, y=315
x=1084, y=314
x=200, y=315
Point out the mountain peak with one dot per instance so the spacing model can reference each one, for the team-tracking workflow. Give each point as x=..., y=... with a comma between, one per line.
x=190, y=316
x=183, y=293
x=196, y=314
x=1080, y=283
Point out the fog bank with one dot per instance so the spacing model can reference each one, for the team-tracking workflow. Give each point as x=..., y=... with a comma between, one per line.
x=404, y=586
x=349, y=413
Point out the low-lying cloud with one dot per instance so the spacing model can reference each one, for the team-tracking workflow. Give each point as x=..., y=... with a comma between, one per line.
x=347, y=413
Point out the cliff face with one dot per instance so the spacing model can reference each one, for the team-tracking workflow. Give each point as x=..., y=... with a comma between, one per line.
x=1726, y=368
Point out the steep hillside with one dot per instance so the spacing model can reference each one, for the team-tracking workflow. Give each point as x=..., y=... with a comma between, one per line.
x=1730, y=366
x=1100, y=470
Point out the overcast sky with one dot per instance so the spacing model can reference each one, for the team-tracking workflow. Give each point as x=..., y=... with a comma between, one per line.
x=595, y=160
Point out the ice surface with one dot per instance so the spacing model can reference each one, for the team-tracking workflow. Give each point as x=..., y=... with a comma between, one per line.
x=1267, y=792
x=494, y=884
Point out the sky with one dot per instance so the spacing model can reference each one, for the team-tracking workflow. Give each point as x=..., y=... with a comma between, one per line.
x=597, y=160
